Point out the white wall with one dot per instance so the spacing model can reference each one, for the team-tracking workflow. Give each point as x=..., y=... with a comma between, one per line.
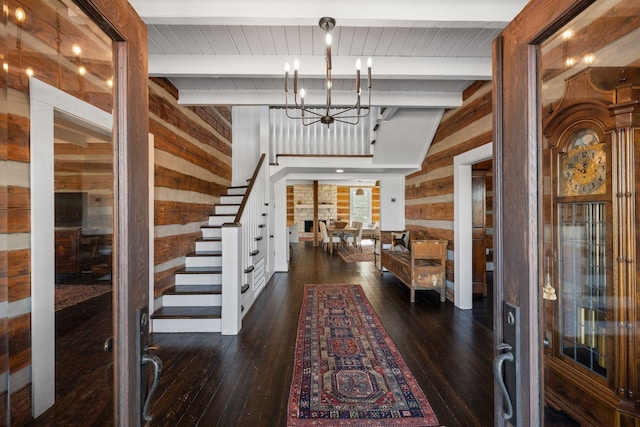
x=392, y=202
x=281, y=231
x=246, y=141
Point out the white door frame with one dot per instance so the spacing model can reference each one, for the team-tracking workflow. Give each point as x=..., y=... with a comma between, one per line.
x=45, y=100
x=152, y=227
x=462, y=224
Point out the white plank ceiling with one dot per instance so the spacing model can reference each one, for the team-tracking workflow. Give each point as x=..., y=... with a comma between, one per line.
x=232, y=52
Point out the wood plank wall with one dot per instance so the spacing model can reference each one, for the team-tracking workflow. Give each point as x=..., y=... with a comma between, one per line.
x=343, y=203
x=429, y=192
x=31, y=45
x=375, y=204
x=192, y=170
x=88, y=169
x=291, y=215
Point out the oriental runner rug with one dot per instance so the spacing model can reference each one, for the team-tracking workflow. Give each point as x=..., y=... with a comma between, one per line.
x=347, y=370
x=355, y=255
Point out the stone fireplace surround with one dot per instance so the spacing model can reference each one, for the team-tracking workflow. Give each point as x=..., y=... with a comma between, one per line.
x=303, y=205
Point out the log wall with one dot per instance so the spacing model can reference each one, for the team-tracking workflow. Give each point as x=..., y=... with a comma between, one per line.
x=192, y=168
x=429, y=192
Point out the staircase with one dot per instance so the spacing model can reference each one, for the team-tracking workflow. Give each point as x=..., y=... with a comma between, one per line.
x=194, y=304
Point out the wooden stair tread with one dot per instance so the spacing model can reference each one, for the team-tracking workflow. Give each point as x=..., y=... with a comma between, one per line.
x=206, y=253
x=200, y=270
x=188, y=312
x=193, y=290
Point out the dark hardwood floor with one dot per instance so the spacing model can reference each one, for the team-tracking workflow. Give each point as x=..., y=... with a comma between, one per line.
x=84, y=372
x=243, y=380
x=214, y=380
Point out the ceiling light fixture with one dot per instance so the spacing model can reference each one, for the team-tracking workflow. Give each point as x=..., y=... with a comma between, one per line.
x=344, y=115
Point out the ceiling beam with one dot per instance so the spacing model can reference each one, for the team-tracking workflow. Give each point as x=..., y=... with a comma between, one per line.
x=272, y=66
x=338, y=98
x=398, y=13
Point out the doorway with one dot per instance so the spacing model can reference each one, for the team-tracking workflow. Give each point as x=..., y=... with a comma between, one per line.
x=84, y=215
x=463, y=222
x=482, y=241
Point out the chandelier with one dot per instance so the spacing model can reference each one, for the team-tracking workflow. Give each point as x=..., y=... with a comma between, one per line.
x=350, y=115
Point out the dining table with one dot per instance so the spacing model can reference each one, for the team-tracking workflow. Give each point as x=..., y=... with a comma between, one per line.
x=333, y=230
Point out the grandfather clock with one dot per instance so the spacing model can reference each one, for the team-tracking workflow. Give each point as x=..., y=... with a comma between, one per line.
x=593, y=359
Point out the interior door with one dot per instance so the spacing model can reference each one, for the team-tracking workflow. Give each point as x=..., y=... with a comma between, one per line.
x=128, y=35
x=98, y=79
x=478, y=247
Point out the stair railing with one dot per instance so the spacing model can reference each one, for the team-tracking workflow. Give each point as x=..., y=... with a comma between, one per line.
x=240, y=241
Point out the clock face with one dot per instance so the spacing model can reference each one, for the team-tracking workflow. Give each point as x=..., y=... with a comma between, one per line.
x=584, y=166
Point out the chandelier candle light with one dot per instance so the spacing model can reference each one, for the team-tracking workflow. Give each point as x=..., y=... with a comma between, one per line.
x=344, y=115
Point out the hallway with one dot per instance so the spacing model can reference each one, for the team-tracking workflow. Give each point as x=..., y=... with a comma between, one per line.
x=244, y=380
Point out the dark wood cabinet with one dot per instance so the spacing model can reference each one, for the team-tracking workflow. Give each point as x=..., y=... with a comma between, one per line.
x=77, y=253
x=66, y=242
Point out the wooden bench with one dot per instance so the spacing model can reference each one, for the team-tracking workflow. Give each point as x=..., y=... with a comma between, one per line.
x=422, y=268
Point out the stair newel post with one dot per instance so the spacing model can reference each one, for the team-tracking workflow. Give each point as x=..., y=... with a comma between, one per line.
x=232, y=273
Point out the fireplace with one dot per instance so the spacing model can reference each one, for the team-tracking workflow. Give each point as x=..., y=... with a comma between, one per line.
x=308, y=225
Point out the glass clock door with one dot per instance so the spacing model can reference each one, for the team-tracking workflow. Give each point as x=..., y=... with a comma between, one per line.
x=582, y=274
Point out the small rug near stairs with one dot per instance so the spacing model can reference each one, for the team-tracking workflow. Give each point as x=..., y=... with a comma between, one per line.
x=347, y=370
x=350, y=254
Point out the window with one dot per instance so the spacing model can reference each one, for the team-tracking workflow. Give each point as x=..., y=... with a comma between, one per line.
x=361, y=204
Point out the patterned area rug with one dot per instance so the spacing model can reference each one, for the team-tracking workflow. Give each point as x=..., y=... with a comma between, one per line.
x=347, y=370
x=354, y=255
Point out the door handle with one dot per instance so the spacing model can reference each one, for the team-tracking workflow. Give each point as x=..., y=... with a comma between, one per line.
x=157, y=372
x=497, y=374
x=108, y=345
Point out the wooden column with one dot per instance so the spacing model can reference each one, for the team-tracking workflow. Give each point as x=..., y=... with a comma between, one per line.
x=315, y=213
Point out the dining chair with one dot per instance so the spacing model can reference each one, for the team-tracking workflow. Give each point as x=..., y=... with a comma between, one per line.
x=353, y=237
x=358, y=238
x=325, y=236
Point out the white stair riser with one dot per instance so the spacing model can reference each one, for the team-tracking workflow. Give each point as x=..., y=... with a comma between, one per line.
x=209, y=233
x=219, y=220
x=191, y=300
x=232, y=200
x=203, y=261
x=187, y=325
x=198, y=279
x=236, y=191
x=202, y=245
x=226, y=209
